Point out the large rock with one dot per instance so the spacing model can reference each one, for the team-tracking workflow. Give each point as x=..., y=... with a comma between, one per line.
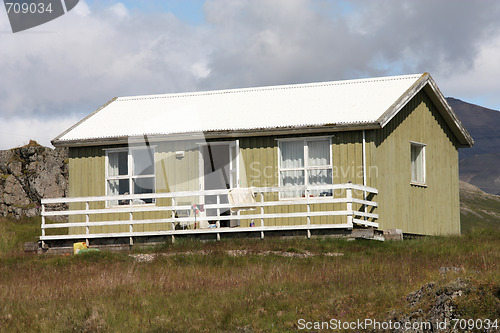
x=435, y=307
x=28, y=174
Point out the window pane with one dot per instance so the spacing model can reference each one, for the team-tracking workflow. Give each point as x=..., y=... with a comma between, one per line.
x=319, y=152
x=141, y=186
x=320, y=177
x=143, y=161
x=118, y=187
x=118, y=163
x=292, y=154
x=417, y=163
x=413, y=163
x=292, y=178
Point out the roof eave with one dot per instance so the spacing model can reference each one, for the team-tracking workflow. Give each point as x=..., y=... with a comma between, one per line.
x=218, y=134
x=387, y=116
x=56, y=141
x=463, y=136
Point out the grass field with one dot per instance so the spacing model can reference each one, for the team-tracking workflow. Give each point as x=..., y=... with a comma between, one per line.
x=194, y=286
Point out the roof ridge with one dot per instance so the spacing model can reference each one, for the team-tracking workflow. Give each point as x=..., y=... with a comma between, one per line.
x=266, y=88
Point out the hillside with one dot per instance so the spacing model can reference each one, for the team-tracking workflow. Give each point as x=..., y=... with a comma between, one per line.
x=479, y=165
x=477, y=208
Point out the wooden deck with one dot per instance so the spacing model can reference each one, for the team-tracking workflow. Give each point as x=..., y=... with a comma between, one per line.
x=355, y=212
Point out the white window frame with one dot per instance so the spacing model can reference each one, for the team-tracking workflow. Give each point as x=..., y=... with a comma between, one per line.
x=305, y=168
x=424, y=180
x=130, y=176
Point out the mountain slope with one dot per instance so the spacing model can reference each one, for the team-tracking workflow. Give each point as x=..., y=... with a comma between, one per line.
x=480, y=165
x=482, y=123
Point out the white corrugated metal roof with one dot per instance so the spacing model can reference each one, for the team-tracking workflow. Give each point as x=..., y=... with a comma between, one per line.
x=314, y=104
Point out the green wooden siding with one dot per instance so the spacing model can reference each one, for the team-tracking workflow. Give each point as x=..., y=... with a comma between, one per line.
x=433, y=209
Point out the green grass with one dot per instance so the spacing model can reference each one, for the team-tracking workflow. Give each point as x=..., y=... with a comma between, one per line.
x=14, y=233
x=212, y=291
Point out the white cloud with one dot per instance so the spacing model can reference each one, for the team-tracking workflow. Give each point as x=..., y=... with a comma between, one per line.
x=17, y=131
x=200, y=70
x=82, y=9
x=119, y=10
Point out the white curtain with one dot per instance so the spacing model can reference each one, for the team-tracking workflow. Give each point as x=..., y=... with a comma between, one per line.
x=113, y=164
x=118, y=163
x=319, y=152
x=113, y=189
x=320, y=177
x=292, y=178
x=292, y=154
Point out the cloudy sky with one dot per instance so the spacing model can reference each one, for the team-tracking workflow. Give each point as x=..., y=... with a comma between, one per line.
x=53, y=75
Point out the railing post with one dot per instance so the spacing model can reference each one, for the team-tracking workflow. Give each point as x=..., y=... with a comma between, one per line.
x=262, y=214
x=365, y=197
x=217, y=224
x=308, y=216
x=173, y=213
x=87, y=222
x=173, y=218
x=131, y=228
x=43, y=224
x=349, y=206
x=218, y=203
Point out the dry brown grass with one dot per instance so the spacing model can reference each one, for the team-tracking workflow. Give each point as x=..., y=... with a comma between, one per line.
x=221, y=292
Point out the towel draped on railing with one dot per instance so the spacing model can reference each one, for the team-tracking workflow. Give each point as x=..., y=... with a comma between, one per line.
x=241, y=196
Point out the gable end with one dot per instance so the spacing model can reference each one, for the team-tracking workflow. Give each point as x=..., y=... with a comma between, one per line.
x=427, y=83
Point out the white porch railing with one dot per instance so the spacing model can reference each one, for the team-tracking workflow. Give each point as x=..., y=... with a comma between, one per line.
x=356, y=211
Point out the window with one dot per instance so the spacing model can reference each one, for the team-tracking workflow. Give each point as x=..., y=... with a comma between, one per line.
x=130, y=171
x=417, y=163
x=305, y=162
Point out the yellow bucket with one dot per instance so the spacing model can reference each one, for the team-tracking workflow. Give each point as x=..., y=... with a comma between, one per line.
x=79, y=246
